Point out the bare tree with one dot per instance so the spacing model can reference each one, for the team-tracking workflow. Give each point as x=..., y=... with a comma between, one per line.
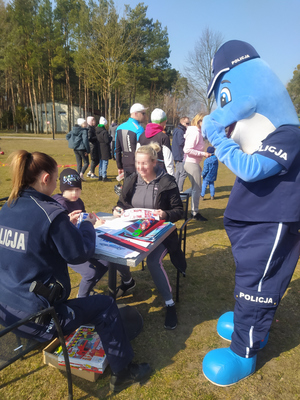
x=198, y=68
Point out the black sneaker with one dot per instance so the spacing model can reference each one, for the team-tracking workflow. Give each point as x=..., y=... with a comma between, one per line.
x=131, y=374
x=100, y=178
x=106, y=180
x=171, y=317
x=125, y=288
x=198, y=217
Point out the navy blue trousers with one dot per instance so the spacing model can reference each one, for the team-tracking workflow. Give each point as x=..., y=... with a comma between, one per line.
x=265, y=255
x=98, y=310
x=90, y=274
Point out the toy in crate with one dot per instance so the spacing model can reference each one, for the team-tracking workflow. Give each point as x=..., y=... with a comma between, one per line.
x=85, y=350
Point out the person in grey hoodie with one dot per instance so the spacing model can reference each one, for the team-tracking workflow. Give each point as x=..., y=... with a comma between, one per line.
x=79, y=142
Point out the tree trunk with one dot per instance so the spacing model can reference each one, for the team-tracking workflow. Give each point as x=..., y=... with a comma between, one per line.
x=13, y=104
x=40, y=90
x=68, y=93
x=119, y=104
x=31, y=105
x=79, y=94
x=35, y=104
x=53, y=104
x=105, y=102
x=93, y=108
x=109, y=101
x=115, y=110
x=85, y=99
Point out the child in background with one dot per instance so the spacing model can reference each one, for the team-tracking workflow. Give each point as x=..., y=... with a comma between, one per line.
x=209, y=173
x=69, y=198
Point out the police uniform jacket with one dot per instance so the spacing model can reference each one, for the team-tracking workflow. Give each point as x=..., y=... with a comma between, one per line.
x=276, y=198
x=37, y=240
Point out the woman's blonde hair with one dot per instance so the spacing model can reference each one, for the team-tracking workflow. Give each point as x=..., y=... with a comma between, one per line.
x=26, y=168
x=197, y=118
x=151, y=149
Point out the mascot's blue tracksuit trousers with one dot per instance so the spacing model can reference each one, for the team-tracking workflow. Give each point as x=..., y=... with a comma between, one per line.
x=265, y=255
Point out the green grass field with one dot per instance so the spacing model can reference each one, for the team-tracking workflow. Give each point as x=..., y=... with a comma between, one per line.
x=206, y=292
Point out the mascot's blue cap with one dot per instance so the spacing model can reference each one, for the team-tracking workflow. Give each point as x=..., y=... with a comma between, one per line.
x=229, y=55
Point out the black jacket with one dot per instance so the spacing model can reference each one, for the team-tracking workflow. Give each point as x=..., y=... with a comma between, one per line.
x=104, y=140
x=167, y=199
x=94, y=144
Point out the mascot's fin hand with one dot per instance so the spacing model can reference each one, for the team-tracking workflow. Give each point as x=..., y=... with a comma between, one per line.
x=249, y=167
x=213, y=131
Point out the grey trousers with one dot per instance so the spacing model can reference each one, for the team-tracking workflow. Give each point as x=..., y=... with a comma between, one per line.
x=180, y=174
x=157, y=271
x=194, y=173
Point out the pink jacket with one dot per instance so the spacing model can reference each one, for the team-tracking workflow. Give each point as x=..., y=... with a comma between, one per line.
x=193, y=146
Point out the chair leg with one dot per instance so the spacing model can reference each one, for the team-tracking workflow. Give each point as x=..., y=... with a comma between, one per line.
x=65, y=353
x=177, y=286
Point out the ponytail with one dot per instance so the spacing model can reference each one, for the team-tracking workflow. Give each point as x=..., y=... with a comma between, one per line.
x=26, y=168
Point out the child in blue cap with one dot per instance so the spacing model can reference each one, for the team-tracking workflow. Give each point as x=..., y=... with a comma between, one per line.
x=209, y=173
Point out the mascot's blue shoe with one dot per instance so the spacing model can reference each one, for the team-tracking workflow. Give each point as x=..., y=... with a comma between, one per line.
x=223, y=367
x=225, y=328
x=225, y=325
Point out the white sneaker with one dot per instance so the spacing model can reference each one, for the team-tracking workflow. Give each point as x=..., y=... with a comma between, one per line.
x=89, y=174
x=81, y=176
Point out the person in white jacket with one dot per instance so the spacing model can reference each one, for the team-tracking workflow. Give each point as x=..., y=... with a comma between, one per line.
x=193, y=153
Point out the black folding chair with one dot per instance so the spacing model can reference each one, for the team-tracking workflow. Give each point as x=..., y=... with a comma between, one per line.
x=182, y=233
x=13, y=346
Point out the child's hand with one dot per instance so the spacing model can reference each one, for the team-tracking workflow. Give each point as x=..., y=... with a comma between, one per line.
x=161, y=213
x=92, y=218
x=74, y=215
x=118, y=211
x=99, y=222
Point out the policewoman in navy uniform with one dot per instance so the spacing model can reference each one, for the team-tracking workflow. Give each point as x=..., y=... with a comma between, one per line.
x=37, y=240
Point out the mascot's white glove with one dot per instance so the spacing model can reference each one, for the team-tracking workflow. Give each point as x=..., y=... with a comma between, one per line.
x=248, y=167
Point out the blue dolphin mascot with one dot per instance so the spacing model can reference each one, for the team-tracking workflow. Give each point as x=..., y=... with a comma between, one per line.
x=255, y=130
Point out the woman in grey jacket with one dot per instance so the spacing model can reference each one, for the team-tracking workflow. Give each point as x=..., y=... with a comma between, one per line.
x=151, y=187
x=79, y=142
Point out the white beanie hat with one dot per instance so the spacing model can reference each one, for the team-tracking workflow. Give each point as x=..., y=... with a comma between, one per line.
x=137, y=107
x=80, y=121
x=158, y=116
x=102, y=121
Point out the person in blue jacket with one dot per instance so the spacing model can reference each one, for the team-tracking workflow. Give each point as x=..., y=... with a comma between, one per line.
x=177, y=151
x=209, y=173
x=127, y=136
x=37, y=240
